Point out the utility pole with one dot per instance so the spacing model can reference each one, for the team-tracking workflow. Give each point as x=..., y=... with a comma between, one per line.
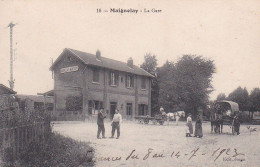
x=11, y=81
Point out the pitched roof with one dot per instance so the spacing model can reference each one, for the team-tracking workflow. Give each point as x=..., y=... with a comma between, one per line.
x=48, y=93
x=5, y=90
x=90, y=59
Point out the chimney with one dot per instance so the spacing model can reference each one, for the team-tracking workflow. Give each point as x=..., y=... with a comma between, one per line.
x=98, y=55
x=130, y=62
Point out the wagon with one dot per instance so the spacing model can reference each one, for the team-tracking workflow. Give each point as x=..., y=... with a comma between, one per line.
x=146, y=119
x=223, y=114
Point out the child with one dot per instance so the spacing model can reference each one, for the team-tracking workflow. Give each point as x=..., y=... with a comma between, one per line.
x=189, y=129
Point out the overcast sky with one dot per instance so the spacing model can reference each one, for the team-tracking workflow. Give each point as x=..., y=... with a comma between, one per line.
x=227, y=32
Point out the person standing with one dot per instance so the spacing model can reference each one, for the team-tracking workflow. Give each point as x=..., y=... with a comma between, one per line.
x=236, y=124
x=198, y=127
x=116, y=122
x=189, y=130
x=100, y=123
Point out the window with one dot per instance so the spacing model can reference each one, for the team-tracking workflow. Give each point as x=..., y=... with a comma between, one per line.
x=113, y=79
x=129, y=109
x=96, y=75
x=142, y=109
x=129, y=81
x=94, y=106
x=143, y=84
x=69, y=58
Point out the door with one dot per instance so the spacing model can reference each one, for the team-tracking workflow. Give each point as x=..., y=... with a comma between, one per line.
x=113, y=106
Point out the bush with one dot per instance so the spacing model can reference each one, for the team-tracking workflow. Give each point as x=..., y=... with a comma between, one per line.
x=73, y=103
x=57, y=151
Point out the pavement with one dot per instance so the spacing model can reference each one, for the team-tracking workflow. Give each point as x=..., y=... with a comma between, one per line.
x=162, y=146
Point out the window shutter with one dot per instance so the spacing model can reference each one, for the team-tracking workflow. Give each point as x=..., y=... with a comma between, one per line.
x=97, y=75
x=110, y=78
x=126, y=80
x=116, y=78
x=132, y=80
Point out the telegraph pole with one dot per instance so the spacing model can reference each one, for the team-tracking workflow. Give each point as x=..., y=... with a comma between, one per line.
x=11, y=81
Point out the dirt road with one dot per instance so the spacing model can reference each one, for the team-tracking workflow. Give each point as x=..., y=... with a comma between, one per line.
x=155, y=145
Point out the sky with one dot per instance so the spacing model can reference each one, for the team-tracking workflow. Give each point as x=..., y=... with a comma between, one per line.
x=227, y=32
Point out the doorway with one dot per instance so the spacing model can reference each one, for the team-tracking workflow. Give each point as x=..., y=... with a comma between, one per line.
x=113, y=106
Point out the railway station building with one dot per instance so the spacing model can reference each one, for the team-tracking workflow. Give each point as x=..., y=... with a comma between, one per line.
x=92, y=82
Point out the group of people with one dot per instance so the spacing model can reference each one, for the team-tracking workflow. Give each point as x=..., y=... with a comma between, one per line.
x=198, y=127
x=117, y=119
x=116, y=123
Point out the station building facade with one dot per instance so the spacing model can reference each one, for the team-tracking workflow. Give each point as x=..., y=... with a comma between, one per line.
x=100, y=82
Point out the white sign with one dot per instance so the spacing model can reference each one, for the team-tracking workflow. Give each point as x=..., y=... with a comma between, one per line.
x=69, y=69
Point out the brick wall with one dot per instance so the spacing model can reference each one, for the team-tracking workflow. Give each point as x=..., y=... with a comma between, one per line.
x=80, y=82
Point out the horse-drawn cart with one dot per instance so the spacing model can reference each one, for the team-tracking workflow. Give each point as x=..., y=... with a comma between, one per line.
x=223, y=114
x=146, y=119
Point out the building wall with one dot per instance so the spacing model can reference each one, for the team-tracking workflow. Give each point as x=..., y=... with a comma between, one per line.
x=80, y=82
x=102, y=91
x=69, y=83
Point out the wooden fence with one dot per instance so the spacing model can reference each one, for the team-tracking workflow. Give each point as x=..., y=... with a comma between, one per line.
x=19, y=128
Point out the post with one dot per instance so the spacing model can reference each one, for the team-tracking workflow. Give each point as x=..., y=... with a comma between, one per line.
x=11, y=82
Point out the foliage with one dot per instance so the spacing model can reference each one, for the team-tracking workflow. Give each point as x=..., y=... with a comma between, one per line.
x=150, y=65
x=184, y=85
x=73, y=103
x=187, y=84
x=221, y=96
x=254, y=99
x=57, y=151
x=168, y=97
x=241, y=97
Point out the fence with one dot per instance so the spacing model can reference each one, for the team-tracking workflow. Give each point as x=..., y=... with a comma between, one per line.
x=19, y=128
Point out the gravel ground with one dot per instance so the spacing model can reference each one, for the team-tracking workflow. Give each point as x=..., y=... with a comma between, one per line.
x=155, y=145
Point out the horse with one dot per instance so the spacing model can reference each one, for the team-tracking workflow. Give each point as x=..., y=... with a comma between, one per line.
x=216, y=122
x=176, y=115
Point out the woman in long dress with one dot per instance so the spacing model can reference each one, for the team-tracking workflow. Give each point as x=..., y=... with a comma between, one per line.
x=198, y=127
x=189, y=130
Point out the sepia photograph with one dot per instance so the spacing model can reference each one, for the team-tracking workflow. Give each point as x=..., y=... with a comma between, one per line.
x=131, y=83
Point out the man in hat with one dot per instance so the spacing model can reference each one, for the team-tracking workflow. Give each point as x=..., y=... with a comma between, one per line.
x=100, y=123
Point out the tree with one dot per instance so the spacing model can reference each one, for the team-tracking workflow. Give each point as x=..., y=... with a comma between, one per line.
x=185, y=85
x=150, y=65
x=193, y=81
x=241, y=97
x=167, y=92
x=221, y=96
x=254, y=99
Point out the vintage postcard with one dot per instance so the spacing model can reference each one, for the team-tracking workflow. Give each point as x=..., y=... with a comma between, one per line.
x=129, y=83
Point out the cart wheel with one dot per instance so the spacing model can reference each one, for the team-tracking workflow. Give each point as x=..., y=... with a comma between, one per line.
x=161, y=122
x=140, y=121
x=146, y=121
